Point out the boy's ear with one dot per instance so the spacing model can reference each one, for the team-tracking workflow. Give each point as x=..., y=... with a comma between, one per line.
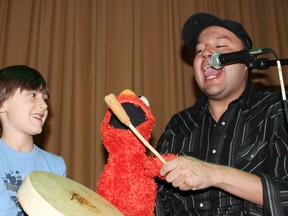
x=2, y=108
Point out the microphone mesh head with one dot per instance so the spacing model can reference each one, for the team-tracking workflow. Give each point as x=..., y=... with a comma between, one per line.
x=214, y=61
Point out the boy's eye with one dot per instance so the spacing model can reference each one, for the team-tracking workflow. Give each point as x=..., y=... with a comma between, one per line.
x=32, y=94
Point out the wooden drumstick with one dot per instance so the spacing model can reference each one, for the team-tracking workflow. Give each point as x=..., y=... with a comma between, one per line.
x=121, y=114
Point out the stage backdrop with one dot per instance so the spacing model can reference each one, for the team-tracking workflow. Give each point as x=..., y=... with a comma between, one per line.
x=89, y=48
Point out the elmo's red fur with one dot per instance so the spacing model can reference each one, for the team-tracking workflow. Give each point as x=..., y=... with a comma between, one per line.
x=128, y=177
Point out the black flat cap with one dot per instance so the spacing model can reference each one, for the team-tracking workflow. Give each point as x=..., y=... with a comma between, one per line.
x=200, y=21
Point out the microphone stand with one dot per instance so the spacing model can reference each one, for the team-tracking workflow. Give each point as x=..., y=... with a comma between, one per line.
x=265, y=63
x=285, y=104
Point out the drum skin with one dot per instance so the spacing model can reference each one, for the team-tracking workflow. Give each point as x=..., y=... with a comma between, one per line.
x=45, y=193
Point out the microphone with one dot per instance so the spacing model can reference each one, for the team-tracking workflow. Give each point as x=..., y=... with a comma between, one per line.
x=219, y=60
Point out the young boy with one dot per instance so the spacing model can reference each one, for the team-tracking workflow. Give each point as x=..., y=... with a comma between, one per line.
x=23, y=111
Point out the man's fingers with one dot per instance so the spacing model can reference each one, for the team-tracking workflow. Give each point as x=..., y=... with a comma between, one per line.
x=168, y=167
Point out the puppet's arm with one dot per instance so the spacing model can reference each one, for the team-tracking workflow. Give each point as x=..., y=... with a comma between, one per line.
x=152, y=165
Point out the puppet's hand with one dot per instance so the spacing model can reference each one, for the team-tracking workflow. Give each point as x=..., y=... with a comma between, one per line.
x=153, y=165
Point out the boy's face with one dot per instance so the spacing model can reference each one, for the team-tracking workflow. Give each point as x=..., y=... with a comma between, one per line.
x=24, y=112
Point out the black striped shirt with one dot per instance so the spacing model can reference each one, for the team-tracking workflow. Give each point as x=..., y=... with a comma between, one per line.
x=251, y=136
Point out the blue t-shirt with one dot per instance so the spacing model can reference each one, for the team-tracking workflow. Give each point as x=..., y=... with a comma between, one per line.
x=15, y=166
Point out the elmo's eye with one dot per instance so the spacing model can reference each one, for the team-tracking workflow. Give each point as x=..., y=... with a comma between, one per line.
x=145, y=100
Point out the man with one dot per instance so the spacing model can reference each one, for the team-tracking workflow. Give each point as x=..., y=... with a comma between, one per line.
x=232, y=142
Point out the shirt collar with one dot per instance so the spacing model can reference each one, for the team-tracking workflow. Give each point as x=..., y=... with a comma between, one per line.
x=202, y=102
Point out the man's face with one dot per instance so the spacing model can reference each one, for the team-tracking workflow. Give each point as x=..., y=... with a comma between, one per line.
x=227, y=83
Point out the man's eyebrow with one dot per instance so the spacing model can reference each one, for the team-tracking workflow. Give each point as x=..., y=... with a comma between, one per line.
x=220, y=37
x=223, y=37
x=217, y=38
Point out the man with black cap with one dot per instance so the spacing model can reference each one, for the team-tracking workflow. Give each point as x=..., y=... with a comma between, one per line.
x=232, y=143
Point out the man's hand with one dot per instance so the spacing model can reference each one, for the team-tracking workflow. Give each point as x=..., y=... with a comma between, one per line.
x=189, y=173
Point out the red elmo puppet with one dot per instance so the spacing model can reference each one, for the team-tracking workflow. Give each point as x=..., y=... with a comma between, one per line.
x=128, y=177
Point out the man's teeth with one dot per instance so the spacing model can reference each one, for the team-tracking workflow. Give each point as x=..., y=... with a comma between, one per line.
x=211, y=77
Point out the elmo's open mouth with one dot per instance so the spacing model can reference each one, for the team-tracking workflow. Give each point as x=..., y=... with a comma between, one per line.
x=136, y=114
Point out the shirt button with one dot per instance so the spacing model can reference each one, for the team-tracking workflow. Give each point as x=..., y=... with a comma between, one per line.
x=201, y=205
x=223, y=123
x=214, y=125
x=213, y=151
